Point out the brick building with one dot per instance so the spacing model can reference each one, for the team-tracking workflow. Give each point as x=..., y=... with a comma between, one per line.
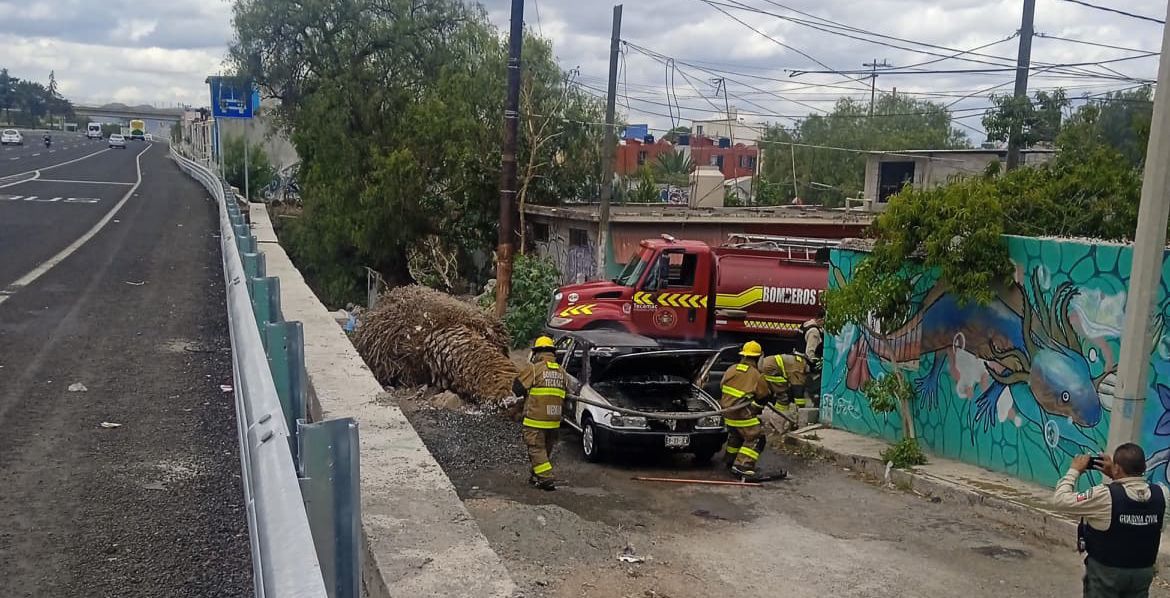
x=733, y=161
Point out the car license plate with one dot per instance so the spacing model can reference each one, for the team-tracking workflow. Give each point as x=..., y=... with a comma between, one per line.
x=676, y=441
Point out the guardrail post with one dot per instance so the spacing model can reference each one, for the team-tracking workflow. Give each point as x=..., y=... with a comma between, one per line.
x=265, y=295
x=245, y=241
x=254, y=265
x=332, y=495
x=286, y=359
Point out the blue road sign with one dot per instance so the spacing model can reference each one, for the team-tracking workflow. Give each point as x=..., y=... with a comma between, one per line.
x=232, y=97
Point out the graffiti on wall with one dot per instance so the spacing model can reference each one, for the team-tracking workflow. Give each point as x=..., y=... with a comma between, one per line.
x=1019, y=385
x=576, y=261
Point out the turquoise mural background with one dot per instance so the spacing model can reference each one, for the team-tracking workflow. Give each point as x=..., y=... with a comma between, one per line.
x=1020, y=385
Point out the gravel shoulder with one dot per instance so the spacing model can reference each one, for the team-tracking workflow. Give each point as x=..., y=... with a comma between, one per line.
x=153, y=507
x=825, y=532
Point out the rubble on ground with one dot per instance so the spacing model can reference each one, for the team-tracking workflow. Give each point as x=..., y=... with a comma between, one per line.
x=416, y=336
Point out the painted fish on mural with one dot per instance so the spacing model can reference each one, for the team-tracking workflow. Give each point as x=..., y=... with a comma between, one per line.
x=1024, y=340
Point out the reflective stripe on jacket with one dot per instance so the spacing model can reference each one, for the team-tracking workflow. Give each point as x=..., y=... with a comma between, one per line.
x=743, y=382
x=545, y=385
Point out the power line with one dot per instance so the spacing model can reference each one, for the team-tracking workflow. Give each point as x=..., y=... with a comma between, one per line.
x=765, y=114
x=723, y=74
x=769, y=37
x=1050, y=68
x=1116, y=11
x=539, y=26
x=1088, y=43
x=1002, y=61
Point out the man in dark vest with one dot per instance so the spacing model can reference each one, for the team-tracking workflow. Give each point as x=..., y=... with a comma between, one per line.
x=1121, y=522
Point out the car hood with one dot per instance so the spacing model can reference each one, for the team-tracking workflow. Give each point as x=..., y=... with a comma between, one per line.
x=685, y=364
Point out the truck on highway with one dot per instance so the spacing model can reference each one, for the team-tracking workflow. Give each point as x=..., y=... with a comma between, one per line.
x=689, y=293
x=93, y=131
x=137, y=130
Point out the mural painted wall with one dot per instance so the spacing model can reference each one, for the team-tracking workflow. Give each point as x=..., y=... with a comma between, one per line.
x=1019, y=385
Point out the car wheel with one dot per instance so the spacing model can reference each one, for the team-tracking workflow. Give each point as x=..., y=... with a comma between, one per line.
x=590, y=444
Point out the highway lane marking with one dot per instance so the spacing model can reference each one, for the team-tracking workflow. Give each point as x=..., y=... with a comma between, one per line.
x=56, y=165
x=40, y=180
x=36, y=175
x=39, y=199
x=48, y=264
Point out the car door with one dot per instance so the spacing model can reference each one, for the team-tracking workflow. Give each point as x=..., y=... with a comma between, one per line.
x=671, y=301
x=570, y=356
x=710, y=378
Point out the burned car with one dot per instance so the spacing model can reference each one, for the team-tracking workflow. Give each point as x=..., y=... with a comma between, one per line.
x=633, y=372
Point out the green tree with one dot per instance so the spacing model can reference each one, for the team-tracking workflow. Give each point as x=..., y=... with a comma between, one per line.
x=672, y=135
x=1120, y=120
x=534, y=279
x=647, y=190
x=830, y=148
x=1038, y=119
x=394, y=108
x=673, y=168
x=7, y=93
x=260, y=171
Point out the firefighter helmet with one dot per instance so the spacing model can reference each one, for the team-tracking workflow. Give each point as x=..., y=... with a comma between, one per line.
x=544, y=343
x=752, y=349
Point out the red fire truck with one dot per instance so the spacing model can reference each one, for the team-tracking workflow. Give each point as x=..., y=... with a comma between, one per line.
x=687, y=292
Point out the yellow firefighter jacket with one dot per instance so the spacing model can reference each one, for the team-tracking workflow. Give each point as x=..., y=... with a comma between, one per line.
x=545, y=385
x=742, y=382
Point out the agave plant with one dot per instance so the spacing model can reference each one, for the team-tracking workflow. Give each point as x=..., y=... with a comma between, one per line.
x=673, y=165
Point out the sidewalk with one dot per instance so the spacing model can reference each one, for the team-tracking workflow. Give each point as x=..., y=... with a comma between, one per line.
x=1008, y=500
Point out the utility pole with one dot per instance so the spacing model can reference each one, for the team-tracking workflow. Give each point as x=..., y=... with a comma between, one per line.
x=873, y=81
x=1023, y=65
x=607, y=151
x=508, y=171
x=1149, y=247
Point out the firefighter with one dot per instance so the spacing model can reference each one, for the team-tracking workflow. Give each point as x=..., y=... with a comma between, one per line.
x=814, y=350
x=743, y=382
x=542, y=383
x=786, y=376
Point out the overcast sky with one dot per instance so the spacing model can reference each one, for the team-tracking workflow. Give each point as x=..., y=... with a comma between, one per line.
x=159, y=51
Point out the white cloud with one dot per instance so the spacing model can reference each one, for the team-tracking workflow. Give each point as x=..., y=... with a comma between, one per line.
x=159, y=51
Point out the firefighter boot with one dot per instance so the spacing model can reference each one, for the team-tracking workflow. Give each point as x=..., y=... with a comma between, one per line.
x=744, y=474
x=540, y=483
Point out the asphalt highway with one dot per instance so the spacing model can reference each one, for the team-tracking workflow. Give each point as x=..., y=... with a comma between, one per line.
x=117, y=445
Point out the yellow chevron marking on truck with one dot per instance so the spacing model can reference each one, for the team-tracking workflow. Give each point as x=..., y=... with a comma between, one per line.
x=680, y=300
x=748, y=297
x=765, y=325
x=580, y=310
x=643, y=298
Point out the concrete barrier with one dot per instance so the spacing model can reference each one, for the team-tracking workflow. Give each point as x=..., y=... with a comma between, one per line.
x=419, y=538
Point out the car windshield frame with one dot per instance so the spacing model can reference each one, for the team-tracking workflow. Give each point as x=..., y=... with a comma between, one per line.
x=9, y=132
x=632, y=273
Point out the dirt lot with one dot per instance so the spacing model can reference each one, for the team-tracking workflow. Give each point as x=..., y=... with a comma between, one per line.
x=824, y=532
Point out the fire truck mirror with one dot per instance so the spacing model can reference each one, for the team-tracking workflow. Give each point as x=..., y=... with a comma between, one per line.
x=823, y=255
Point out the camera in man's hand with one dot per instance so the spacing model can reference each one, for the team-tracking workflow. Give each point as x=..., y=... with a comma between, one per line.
x=1096, y=463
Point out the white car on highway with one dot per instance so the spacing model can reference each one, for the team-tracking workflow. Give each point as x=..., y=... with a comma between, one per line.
x=117, y=140
x=11, y=137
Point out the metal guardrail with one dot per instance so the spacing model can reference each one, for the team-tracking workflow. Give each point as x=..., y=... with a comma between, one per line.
x=300, y=480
